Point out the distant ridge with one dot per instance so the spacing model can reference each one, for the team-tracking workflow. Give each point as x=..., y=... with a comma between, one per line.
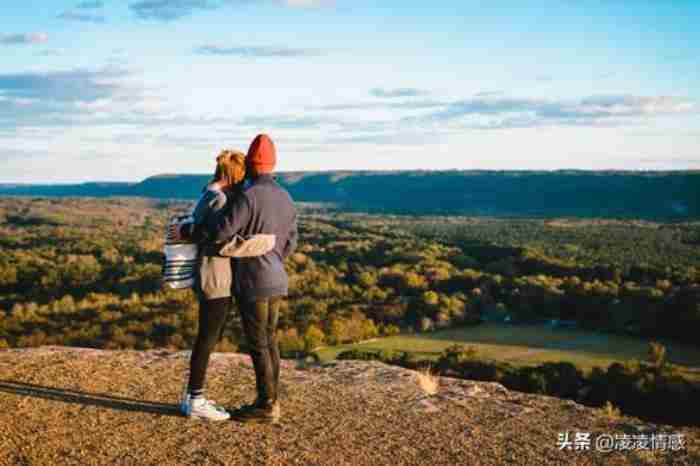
x=668, y=195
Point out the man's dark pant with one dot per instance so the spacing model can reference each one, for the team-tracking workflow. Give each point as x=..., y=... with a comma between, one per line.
x=260, y=327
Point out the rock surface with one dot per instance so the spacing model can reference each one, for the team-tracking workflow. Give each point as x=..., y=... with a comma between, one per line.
x=82, y=406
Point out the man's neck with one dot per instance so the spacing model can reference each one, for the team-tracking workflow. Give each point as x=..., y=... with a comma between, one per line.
x=261, y=176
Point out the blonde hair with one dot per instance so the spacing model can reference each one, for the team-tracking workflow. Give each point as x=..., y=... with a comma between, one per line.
x=230, y=167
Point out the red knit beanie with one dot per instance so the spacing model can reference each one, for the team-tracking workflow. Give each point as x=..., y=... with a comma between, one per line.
x=262, y=155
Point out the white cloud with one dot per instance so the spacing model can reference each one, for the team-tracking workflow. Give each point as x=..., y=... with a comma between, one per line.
x=90, y=5
x=83, y=17
x=497, y=112
x=307, y=3
x=74, y=97
x=170, y=10
x=256, y=51
x=32, y=38
x=398, y=92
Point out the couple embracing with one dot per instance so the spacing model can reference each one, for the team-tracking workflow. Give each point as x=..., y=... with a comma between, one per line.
x=243, y=200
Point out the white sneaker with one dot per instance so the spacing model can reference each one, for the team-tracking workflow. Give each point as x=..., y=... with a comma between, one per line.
x=203, y=409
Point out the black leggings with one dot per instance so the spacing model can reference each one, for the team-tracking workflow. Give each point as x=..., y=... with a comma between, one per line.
x=212, y=317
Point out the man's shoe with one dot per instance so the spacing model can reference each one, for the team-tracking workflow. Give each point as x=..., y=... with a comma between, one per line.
x=259, y=413
x=261, y=403
x=202, y=408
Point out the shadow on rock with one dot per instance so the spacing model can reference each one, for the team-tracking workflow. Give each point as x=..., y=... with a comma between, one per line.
x=87, y=399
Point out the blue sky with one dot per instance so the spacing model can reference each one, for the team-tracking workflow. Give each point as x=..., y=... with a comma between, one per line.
x=122, y=90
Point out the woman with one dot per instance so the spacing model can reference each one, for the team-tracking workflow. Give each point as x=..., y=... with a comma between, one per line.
x=213, y=284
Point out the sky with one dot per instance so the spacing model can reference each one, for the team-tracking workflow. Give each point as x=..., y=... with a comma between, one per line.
x=122, y=90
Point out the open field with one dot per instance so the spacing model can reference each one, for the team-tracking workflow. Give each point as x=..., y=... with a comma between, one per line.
x=530, y=345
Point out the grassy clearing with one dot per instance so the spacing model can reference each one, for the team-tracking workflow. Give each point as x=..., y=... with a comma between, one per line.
x=532, y=345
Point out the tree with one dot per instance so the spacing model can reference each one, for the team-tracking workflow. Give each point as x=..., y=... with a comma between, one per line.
x=367, y=279
x=313, y=338
x=426, y=324
x=338, y=332
x=390, y=330
x=431, y=298
x=290, y=342
x=442, y=319
x=369, y=330
x=415, y=281
x=8, y=276
x=657, y=354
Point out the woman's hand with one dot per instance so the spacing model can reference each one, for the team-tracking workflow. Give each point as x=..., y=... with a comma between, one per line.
x=175, y=231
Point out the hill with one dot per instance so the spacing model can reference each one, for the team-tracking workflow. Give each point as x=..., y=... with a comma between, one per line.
x=571, y=193
x=83, y=406
x=68, y=190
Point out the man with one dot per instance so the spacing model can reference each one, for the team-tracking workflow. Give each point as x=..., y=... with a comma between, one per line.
x=261, y=283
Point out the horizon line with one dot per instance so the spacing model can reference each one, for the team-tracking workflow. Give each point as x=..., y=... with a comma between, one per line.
x=369, y=171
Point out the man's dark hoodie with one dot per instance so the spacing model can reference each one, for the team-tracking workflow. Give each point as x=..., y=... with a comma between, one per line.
x=264, y=208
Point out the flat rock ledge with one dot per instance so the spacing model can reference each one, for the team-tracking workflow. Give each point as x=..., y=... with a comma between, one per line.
x=68, y=406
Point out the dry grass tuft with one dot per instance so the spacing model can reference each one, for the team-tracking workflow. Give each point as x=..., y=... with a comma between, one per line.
x=427, y=381
x=611, y=411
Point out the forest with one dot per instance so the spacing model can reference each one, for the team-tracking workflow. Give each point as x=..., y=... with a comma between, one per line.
x=86, y=272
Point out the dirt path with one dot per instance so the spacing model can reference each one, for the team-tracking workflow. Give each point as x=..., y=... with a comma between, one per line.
x=67, y=406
